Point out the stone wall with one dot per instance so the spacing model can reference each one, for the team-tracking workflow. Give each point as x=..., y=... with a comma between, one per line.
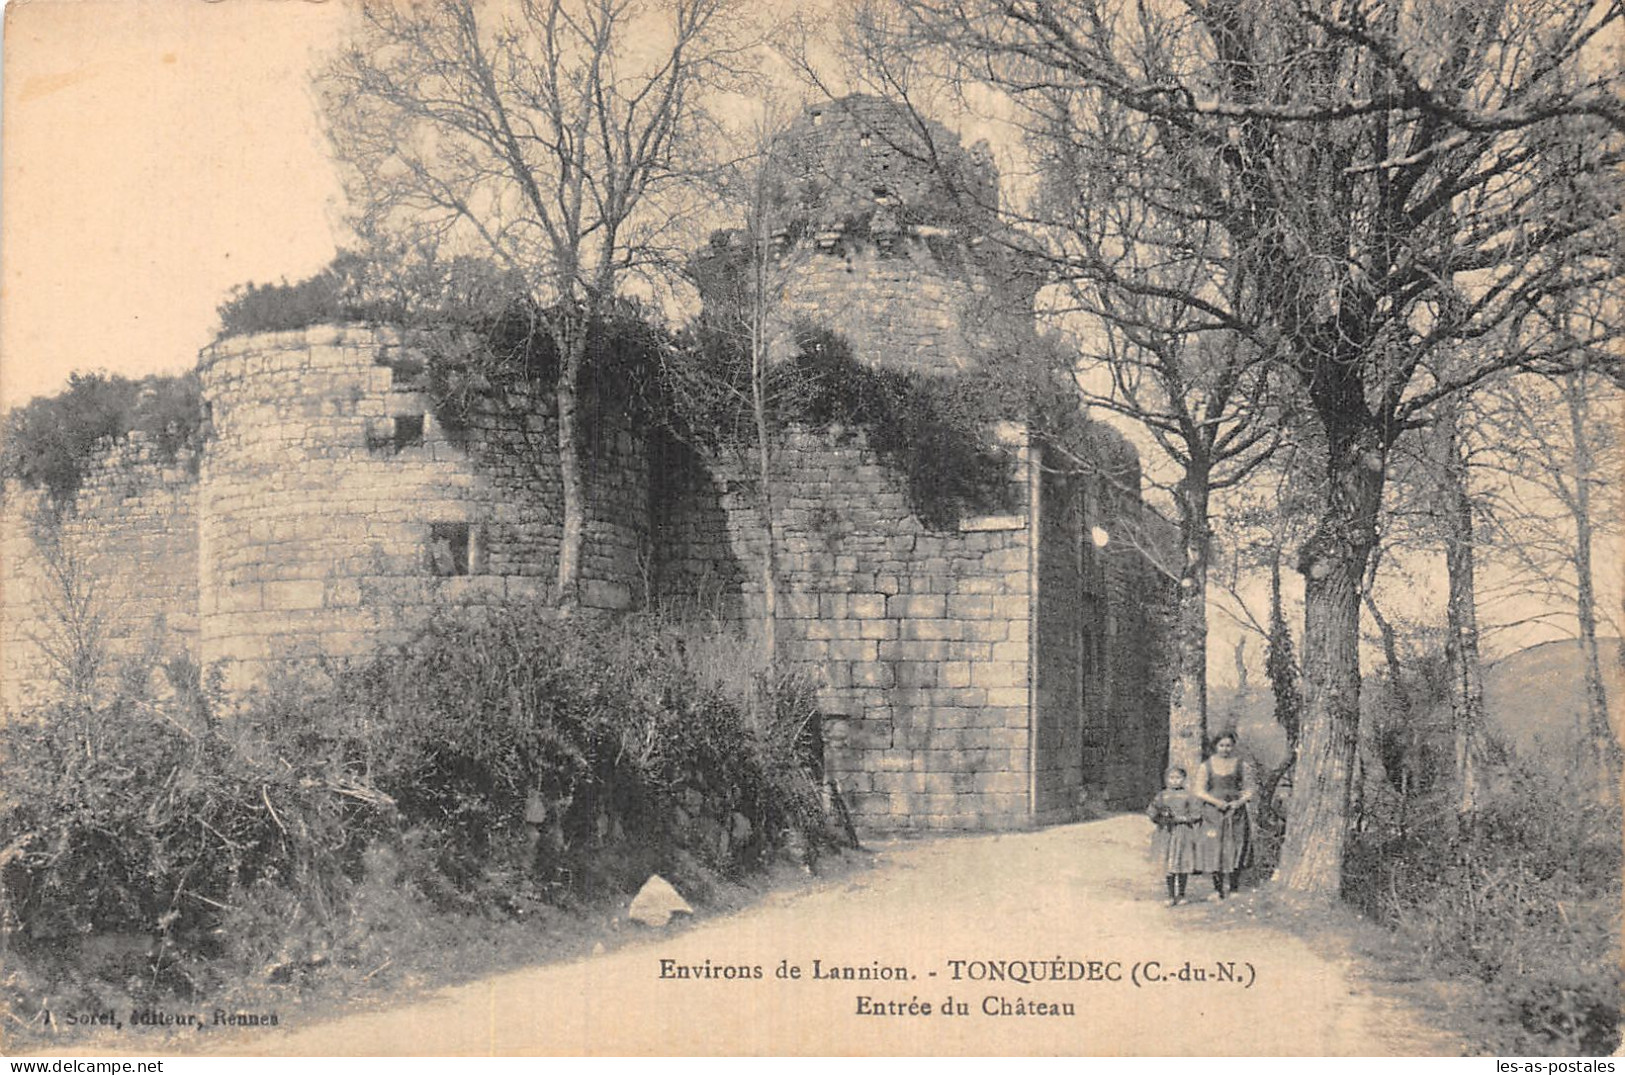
x=1133, y=627
x=919, y=639
x=995, y=674
x=119, y=566
x=338, y=511
x=1066, y=681
x=987, y=677
x=964, y=688
x=898, y=306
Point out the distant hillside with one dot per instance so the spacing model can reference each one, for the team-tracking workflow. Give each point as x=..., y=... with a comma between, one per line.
x=1535, y=697
x=1534, y=700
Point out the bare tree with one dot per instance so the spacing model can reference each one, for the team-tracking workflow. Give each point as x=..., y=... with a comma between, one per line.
x=1392, y=179
x=558, y=136
x=1204, y=404
x=1459, y=516
x=731, y=378
x=75, y=614
x=1553, y=446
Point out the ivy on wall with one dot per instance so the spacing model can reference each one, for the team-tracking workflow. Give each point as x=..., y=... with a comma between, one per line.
x=934, y=431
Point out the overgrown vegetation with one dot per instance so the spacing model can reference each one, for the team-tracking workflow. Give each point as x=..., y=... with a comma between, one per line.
x=486, y=341
x=51, y=441
x=935, y=431
x=510, y=357
x=487, y=771
x=356, y=286
x=1521, y=897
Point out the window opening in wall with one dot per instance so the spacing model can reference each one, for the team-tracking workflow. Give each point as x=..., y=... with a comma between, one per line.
x=408, y=431
x=449, y=549
x=406, y=373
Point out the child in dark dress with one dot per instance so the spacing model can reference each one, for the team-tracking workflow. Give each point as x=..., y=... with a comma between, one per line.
x=1177, y=813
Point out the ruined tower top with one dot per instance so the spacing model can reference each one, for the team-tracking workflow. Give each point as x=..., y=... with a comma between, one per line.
x=880, y=226
x=867, y=165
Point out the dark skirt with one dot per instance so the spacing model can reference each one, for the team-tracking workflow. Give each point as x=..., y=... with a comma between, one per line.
x=1174, y=848
x=1225, y=843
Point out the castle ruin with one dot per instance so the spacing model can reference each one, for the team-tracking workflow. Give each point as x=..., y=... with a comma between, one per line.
x=998, y=673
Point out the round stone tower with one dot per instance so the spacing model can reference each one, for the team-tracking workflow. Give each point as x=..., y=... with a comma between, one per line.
x=336, y=511
x=884, y=228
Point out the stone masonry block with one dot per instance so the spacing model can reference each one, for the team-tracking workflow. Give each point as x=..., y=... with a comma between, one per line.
x=915, y=650
x=965, y=607
x=916, y=674
x=986, y=630
x=951, y=719
x=1011, y=607
x=916, y=606
x=868, y=606
x=877, y=629
x=1005, y=782
x=930, y=629
x=1014, y=716
x=999, y=674
x=297, y=594
x=911, y=697
x=1010, y=651
x=873, y=674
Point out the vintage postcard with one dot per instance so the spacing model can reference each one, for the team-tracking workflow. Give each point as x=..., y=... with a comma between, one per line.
x=581, y=527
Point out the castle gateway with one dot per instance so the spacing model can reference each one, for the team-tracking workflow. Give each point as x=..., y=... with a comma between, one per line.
x=990, y=671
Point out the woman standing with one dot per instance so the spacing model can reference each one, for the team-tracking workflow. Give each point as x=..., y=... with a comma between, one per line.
x=1224, y=784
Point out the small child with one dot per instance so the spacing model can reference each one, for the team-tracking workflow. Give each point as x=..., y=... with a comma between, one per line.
x=1177, y=812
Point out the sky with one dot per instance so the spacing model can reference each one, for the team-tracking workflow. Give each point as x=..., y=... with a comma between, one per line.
x=156, y=153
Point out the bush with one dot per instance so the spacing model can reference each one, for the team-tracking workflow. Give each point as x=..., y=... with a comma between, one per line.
x=50, y=442
x=332, y=826
x=403, y=290
x=1523, y=898
x=586, y=758
x=133, y=819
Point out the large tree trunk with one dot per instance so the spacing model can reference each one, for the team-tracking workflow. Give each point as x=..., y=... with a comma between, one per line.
x=1333, y=563
x=1187, y=702
x=1461, y=613
x=1282, y=669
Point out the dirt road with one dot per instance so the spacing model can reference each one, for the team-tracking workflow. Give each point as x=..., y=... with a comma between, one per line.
x=936, y=921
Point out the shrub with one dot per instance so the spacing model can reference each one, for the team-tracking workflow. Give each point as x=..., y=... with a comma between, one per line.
x=403, y=290
x=1523, y=897
x=131, y=818
x=50, y=442
x=585, y=757
x=333, y=824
